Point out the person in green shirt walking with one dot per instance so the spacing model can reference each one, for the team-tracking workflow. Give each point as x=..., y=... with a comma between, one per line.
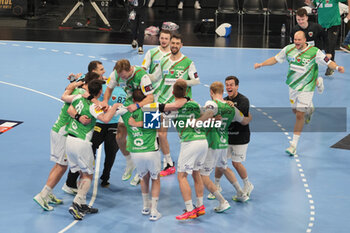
x=302, y=74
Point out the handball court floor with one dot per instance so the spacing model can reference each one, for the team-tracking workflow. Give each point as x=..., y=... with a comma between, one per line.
x=306, y=193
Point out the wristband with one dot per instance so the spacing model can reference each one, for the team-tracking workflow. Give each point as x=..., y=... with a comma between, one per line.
x=337, y=68
x=77, y=116
x=138, y=106
x=161, y=107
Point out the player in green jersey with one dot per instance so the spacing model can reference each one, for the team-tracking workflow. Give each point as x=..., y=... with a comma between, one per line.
x=58, y=137
x=78, y=144
x=130, y=78
x=303, y=62
x=143, y=147
x=217, y=138
x=171, y=68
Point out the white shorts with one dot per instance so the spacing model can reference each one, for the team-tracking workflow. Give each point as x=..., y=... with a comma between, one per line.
x=237, y=153
x=58, y=148
x=80, y=155
x=300, y=100
x=214, y=158
x=192, y=156
x=147, y=162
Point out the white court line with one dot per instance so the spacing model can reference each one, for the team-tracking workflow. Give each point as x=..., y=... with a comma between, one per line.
x=94, y=192
x=29, y=89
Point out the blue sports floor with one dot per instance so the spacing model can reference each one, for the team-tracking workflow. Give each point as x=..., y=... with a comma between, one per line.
x=307, y=193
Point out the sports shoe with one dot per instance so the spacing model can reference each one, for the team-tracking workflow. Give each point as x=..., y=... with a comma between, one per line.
x=168, y=170
x=69, y=190
x=248, y=188
x=146, y=210
x=88, y=209
x=54, y=200
x=155, y=215
x=200, y=210
x=291, y=150
x=140, y=50
x=187, y=215
x=320, y=86
x=76, y=211
x=345, y=48
x=240, y=197
x=134, y=44
x=180, y=6
x=128, y=172
x=212, y=196
x=308, y=115
x=222, y=207
x=105, y=184
x=197, y=5
x=42, y=202
x=136, y=180
x=329, y=72
x=150, y=4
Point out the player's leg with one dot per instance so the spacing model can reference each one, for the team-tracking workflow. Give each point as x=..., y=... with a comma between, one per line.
x=121, y=140
x=168, y=164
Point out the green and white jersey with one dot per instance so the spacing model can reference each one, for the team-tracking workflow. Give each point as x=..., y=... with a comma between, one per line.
x=303, y=66
x=218, y=137
x=64, y=118
x=190, y=110
x=152, y=61
x=328, y=12
x=170, y=71
x=83, y=107
x=140, y=139
x=138, y=80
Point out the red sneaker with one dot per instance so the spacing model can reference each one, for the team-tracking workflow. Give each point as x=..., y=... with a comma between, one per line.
x=168, y=170
x=187, y=215
x=200, y=210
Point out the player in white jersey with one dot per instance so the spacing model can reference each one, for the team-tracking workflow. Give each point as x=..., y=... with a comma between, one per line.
x=151, y=63
x=303, y=62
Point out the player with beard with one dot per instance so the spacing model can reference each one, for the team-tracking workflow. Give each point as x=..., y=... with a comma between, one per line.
x=171, y=68
x=302, y=74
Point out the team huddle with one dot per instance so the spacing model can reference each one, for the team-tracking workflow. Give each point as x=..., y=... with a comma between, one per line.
x=163, y=85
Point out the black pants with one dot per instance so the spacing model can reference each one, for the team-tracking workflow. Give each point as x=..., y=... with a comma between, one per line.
x=332, y=38
x=102, y=133
x=138, y=25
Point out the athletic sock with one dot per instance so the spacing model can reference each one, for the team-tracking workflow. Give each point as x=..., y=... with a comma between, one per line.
x=154, y=204
x=83, y=189
x=129, y=162
x=237, y=186
x=45, y=191
x=199, y=201
x=217, y=182
x=189, y=205
x=145, y=198
x=295, y=139
x=219, y=197
x=168, y=159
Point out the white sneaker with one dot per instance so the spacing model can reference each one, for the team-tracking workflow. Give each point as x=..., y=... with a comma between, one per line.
x=180, y=6
x=292, y=150
x=150, y=4
x=69, y=190
x=136, y=180
x=140, y=51
x=320, y=86
x=197, y=5
x=128, y=172
x=42, y=202
x=247, y=189
x=212, y=196
x=134, y=44
x=155, y=215
x=222, y=207
x=240, y=197
x=308, y=114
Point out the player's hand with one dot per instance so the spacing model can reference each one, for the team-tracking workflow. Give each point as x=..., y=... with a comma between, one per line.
x=103, y=105
x=329, y=55
x=232, y=105
x=341, y=69
x=257, y=65
x=132, y=107
x=85, y=120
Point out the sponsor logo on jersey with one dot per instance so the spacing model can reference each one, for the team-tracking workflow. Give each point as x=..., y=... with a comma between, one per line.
x=165, y=71
x=6, y=125
x=326, y=59
x=151, y=120
x=156, y=61
x=292, y=59
x=195, y=75
x=311, y=34
x=298, y=59
x=172, y=72
x=144, y=62
x=113, y=97
x=148, y=88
